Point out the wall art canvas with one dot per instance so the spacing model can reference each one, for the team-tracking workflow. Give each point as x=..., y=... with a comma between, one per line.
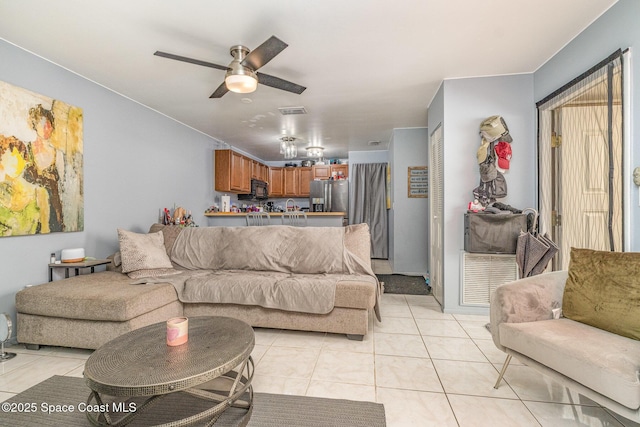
x=41, y=165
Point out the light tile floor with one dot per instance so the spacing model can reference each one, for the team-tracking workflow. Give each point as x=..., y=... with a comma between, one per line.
x=426, y=367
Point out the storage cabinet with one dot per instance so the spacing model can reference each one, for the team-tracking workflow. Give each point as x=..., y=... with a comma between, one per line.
x=291, y=181
x=276, y=184
x=321, y=171
x=232, y=172
x=341, y=170
x=326, y=171
x=259, y=171
x=305, y=176
x=264, y=172
x=240, y=173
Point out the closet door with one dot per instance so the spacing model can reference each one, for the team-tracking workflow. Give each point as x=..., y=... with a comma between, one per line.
x=436, y=202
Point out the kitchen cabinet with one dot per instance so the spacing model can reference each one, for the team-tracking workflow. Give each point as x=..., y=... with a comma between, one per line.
x=242, y=180
x=321, y=171
x=305, y=176
x=232, y=172
x=259, y=171
x=341, y=170
x=291, y=177
x=276, y=183
x=327, y=171
x=264, y=172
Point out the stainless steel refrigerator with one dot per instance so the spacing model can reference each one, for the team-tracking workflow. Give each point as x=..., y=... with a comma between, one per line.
x=329, y=196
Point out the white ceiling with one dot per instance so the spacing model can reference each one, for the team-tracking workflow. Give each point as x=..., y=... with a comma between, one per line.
x=369, y=65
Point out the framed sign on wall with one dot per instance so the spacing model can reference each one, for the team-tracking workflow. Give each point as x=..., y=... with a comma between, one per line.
x=418, y=181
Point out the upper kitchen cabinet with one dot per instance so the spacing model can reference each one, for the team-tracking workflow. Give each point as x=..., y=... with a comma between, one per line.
x=321, y=171
x=327, y=171
x=291, y=181
x=305, y=176
x=276, y=183
x=259, y=171
x=340, y=170
x=232, y=172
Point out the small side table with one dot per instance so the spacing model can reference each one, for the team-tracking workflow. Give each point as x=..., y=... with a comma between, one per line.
x=77, y=266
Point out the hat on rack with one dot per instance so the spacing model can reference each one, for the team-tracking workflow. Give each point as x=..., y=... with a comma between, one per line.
x=488, y=171
x=483, y=150
x=503, y=152
x=493, y=128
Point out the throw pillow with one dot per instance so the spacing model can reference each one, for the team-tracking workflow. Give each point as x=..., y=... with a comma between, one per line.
x=143, y=253
x=603, y=290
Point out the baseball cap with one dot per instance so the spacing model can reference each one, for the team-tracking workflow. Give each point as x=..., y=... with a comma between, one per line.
x=503, y=152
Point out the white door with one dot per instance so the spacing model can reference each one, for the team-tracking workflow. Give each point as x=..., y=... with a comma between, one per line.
x=436, y=205
x=583, y=171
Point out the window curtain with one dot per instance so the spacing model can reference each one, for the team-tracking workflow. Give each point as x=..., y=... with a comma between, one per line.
x=368, y=204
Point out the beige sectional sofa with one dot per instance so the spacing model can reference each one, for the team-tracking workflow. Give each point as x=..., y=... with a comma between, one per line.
x=326, y=271
x=603, y=366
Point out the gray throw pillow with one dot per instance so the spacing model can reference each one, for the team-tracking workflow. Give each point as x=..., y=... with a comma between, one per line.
x=144, y=254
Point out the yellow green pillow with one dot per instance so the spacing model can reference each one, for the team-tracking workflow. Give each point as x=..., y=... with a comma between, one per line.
x=603, y=290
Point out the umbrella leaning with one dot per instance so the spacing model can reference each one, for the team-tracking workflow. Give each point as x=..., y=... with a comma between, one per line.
x=533, y=250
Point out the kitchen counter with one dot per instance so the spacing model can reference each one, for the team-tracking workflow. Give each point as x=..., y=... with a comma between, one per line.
x=314, y=219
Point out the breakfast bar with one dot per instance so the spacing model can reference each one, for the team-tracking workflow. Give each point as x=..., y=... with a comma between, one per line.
x=314, y=219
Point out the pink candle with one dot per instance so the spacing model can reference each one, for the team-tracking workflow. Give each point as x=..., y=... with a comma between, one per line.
x=177, y=331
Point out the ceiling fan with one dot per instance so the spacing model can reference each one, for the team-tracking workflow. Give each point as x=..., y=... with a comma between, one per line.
x=242, y=75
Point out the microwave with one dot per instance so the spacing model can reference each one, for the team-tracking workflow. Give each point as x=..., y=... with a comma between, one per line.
x=259, y=191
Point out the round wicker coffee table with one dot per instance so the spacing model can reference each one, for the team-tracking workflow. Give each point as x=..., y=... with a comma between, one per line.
x=140, y=364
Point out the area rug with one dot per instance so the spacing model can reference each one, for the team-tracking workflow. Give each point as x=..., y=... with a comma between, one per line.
x=269, y=410
x=401, y=284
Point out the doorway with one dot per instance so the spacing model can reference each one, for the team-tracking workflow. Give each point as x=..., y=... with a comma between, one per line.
x=581, y=147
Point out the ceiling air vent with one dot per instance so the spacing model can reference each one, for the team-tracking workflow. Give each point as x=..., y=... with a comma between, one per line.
x=287, y=111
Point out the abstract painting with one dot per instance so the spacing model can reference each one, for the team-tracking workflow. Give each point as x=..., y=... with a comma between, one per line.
x=41, y=165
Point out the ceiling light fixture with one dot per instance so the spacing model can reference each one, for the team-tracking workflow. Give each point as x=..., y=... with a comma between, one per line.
x=288, y=147
x=240, y=79
x=314, y=151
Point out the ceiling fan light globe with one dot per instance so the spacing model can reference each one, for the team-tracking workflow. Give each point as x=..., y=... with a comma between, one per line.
x=241, y=83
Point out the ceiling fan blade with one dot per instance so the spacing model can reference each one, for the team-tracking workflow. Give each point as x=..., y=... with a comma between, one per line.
x=191, y=60
x=264, y=53
x=222, y=89
x=279, y=83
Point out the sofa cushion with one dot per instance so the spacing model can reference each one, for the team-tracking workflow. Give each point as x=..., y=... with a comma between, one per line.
x=279, y=248
x=603, y=290
x=106, y=295
x=144, y=255
x=605, y=362
x=169, y=232
x=357, y=240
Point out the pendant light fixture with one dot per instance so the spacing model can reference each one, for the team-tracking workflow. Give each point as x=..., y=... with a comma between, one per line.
x=288, y=147
x=315, y=151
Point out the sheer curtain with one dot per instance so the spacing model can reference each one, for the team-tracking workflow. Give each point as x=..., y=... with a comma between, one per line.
x=580, y=161
x=367, y=203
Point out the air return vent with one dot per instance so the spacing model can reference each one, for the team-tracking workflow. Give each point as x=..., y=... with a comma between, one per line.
x=287, y=111
x=482, y=273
